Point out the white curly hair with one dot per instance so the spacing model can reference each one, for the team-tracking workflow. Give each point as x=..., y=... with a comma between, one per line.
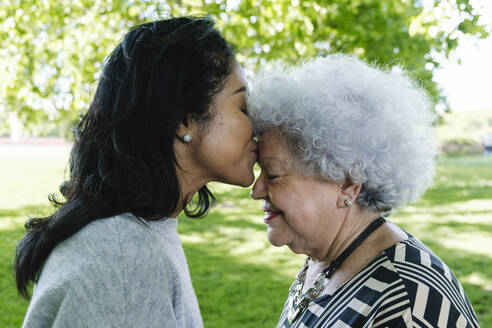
x=344, y=119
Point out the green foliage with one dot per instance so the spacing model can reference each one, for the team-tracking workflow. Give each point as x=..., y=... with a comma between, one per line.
x=240, y=279
x=52, y=51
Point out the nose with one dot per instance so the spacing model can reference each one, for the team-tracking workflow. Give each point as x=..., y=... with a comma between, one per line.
x=259, y=188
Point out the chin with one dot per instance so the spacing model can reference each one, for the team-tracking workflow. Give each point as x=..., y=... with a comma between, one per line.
x=296, y=251
x=275, y=243
x=249, y=182
x=241, y=183
x=273, y=240
x=247, y=179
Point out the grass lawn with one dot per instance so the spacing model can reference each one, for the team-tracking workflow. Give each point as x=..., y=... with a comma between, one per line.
x=242, y=281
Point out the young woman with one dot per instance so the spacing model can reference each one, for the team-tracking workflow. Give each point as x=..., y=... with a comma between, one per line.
x=167, y=117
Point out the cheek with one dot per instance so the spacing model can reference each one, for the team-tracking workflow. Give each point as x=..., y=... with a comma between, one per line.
x=221, y=134
x=299, y=210
x=242, y=129
x=235, y=132
x=285, y=198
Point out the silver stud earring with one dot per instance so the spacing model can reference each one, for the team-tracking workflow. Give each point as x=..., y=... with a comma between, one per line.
x=187, y=137
x=347, y=202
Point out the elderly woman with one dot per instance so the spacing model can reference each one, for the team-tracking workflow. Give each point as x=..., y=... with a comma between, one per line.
x=341, y=145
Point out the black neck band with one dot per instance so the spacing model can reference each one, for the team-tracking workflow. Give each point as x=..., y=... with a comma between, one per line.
x=356, y=243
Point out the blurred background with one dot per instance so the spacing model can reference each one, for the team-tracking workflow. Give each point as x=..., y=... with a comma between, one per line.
x=51, y=55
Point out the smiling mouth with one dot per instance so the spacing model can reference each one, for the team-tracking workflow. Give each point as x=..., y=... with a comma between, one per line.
x=270, y=213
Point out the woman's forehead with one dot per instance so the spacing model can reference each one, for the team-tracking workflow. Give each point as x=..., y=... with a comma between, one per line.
x=236, y=80
x=273, y=149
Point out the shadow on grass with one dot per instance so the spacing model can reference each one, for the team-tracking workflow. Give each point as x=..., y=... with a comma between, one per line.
x=254, y=292
x=234, y=209
x=234, y=194
x=233, y=293
x=449, y=194
x=13, y=307
x=442, y=211
x=216, y=220
x=467, y=227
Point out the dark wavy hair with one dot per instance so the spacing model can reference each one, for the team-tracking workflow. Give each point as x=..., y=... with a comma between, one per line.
x=161, y=75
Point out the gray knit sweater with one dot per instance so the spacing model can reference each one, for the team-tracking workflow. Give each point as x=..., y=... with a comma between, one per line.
x=116, y=272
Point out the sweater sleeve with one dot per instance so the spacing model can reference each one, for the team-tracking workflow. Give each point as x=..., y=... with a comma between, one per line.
x=110, y=274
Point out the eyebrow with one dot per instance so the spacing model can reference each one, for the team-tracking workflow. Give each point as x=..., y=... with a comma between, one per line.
x=265, y=161
x=241, y=89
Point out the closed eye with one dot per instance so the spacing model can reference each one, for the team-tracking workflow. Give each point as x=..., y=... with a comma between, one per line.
x=245, y=111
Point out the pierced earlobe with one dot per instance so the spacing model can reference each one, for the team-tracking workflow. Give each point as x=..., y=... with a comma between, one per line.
x=347, y=202
x=187, y=137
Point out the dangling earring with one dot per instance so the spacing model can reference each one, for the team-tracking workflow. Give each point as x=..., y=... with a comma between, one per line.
x=347, y=202
x=187, y=138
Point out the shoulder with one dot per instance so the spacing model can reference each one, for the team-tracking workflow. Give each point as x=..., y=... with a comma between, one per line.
x=436, y=296
x=110, y=270
x=103, y=248
x=417, y=264
x=110, y=230
x=102, y=242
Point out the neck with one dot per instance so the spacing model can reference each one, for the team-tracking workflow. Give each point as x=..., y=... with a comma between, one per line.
x=384, y=236
x=353, y=225
x=190, y=176
x=189, y=185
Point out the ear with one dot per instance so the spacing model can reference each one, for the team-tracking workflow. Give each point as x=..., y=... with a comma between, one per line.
x=187, y=126
x=181, y=131
x=348, y=191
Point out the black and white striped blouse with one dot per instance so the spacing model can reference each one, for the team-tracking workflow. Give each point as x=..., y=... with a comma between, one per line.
x=405, y=286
